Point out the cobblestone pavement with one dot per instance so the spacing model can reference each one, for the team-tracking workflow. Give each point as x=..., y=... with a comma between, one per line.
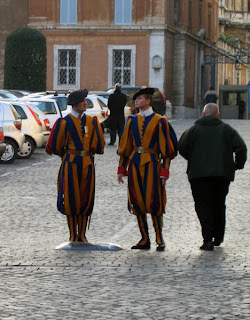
x=39, y=282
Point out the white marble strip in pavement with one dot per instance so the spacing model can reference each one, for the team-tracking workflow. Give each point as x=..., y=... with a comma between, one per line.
x=123, y=231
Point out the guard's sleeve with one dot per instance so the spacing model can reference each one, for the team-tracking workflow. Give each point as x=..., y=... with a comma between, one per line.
x=98, y=142
x=168, y=145
x=57, y=138
x=125, y=147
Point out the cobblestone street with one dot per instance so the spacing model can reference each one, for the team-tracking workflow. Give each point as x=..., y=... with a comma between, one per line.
x=183, y=282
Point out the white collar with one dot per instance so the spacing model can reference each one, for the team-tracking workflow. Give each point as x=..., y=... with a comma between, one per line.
x=74, y=113
x=147, y=112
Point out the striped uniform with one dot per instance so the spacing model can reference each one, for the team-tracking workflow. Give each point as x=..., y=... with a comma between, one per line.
x=146, y=148
x=76, y=178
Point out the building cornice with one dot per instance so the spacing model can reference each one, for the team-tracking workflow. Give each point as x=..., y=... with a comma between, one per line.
x=46, y=28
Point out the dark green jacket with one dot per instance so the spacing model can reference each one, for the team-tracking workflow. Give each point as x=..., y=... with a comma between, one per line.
x=213, y=149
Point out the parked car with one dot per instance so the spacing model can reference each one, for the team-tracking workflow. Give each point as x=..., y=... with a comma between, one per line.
x=158, y=102
x=5, y=94
x=61, y=100
x=49, y=107
x=104, y=94
x=44, y=120
x=20, y=93
x=127, y=109
x=13, y=137
x=2, y=144
x=96, y=106
x=31, y=128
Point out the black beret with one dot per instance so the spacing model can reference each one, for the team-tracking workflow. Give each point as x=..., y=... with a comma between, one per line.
x=144, y=90
x=77, y=96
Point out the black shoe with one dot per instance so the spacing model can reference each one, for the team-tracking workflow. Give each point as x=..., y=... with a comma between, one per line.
x=141, y=246
x=207, y=246
x=217, y=242
x=111, y=144
x=161, y=247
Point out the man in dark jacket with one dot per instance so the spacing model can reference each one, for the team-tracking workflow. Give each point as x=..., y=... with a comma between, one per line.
x=211, y=96
x=116, y=104
x=214, y=151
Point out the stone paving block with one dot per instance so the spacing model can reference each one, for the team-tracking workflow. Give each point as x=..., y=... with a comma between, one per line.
x=38, y=281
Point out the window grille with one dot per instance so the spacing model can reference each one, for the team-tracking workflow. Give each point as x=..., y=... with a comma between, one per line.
x=67, y=67
x=122, y=67
x=68, y=11
x=123, y=11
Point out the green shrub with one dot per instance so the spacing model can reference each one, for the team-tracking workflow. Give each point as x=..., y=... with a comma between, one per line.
x=25, y=60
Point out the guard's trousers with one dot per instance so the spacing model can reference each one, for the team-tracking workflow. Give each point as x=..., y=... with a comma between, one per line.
x=77, y=228
x=143, y=226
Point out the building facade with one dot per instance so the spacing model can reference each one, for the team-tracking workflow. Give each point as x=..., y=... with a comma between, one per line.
x=160, y=43
x=234, y=39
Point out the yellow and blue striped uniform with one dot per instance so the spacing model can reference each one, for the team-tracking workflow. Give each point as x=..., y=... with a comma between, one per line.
x=76, y=178
x=145, y=191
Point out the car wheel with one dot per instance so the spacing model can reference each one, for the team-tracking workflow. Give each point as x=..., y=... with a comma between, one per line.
x=27, y=149
x=10, y=153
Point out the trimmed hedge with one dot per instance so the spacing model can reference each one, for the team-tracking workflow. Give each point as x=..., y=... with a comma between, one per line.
x=25, y=60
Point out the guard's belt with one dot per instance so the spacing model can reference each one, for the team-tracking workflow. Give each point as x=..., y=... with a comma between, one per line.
x=144, y=150
x=79, y=153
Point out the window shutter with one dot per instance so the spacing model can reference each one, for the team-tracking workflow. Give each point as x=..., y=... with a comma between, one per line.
x=72, y=11
x=118, y=11
x=127, y=11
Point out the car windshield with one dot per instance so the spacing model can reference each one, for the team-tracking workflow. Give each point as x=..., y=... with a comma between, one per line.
x=90, y=104
x=7, y=95
x=101, y=103
x=62, y=102
x=46, y=107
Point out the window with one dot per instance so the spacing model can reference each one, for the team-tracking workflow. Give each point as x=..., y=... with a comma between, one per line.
x=47, y=107
x=121, y=65
x=123, y=11
x=62, y=102
x=209, y=21
x=20, y=111
x=200, y=13
x=67, y=67
x=68, y=11
x=176, y=13
x=101, y=103
x=190, y=15
x=90, y=104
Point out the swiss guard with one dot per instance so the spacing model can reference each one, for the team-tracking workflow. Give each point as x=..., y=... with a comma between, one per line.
x=146, y=147
x=76, y=138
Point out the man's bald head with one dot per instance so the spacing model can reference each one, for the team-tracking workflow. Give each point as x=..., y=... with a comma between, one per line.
x=211, y=109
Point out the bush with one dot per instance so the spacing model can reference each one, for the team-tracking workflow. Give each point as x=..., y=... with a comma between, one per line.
x=25, y=60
